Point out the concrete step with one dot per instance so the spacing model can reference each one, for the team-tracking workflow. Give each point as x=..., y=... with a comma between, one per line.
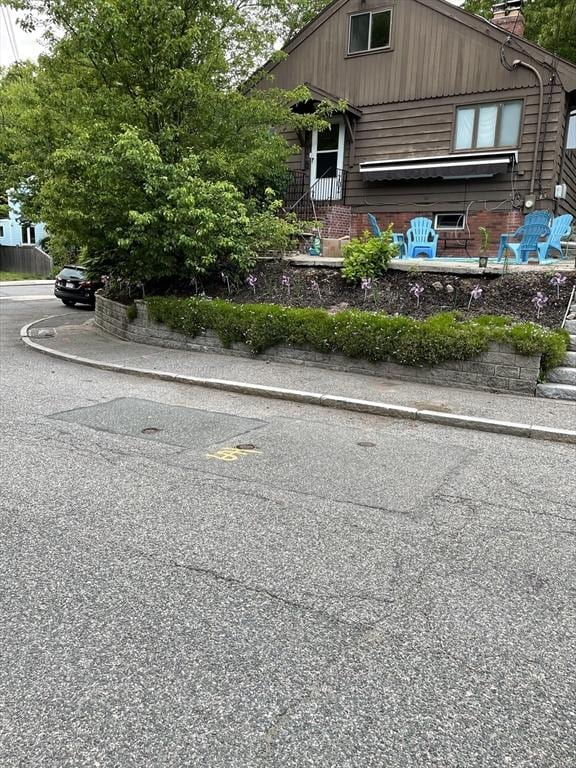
x=562, y=375
x=571, y=326
x=556, y=391
x=570, y=360
x=572, y=342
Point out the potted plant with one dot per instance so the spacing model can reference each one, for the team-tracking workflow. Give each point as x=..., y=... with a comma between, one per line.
x=484, y=245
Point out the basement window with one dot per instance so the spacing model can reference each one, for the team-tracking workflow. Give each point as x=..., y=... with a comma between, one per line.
x=450, y=221
x=369, y=31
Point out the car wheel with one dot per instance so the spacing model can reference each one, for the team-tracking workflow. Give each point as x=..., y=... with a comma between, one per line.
x=68, y=302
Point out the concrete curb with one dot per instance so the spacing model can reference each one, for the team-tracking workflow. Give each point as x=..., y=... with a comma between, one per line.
x=314, y=398
x=16, y=283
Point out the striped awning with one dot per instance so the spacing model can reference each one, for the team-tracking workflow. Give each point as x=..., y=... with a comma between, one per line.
x=460, y=166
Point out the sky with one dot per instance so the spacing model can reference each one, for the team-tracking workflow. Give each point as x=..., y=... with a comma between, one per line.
x=28, y=43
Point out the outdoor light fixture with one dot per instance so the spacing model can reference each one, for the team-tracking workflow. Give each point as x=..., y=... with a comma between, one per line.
x=483, y=260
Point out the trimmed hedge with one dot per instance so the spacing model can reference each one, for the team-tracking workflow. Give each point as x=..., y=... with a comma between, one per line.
x=357, y=334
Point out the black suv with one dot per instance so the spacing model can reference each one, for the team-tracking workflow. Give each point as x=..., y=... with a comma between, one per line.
x=73, y=287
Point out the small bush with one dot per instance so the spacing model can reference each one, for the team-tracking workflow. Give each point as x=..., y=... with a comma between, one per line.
x=368, y=256
x=131, y=312
x=358, y=334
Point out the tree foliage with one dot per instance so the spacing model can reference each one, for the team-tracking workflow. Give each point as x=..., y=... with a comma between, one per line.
x=132, y=142
x=550, y=23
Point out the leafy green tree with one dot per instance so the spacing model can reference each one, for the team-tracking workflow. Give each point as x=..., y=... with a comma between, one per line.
x=550, y=23
x=130, y=140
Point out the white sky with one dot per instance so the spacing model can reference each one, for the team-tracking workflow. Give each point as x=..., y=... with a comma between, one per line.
x=28, y=44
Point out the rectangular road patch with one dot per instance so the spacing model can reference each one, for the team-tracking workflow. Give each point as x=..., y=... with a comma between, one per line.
x=170, y=424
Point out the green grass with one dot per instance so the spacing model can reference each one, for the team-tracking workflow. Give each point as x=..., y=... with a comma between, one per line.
x=8, y=276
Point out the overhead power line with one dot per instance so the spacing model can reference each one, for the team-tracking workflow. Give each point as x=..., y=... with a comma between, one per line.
x=6, y=17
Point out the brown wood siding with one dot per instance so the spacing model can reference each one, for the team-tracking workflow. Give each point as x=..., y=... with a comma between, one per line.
x=431, y=56
x=425, y=128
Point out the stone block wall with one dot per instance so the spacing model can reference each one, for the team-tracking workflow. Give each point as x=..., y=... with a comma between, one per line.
x=498, y=369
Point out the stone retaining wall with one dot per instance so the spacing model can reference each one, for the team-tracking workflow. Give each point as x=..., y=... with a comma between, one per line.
x=499, y=369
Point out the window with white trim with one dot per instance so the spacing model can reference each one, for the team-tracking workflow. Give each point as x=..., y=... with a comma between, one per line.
x=1, y=231
x=488, y=126
x=450, y=220
x=571, y=138
x=28, y=234
x=369, y=31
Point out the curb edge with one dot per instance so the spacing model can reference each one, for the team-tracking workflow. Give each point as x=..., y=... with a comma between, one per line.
x=532, y=431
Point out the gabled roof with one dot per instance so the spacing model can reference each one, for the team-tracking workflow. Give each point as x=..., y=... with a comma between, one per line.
x=318, y=94
x=538, y=55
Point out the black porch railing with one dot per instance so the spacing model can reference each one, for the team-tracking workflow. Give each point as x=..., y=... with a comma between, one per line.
x=305, y=200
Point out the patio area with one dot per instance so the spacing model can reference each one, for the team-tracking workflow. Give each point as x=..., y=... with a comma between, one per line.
x=453, y=265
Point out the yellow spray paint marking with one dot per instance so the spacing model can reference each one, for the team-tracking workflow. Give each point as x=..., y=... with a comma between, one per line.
x=230, y=454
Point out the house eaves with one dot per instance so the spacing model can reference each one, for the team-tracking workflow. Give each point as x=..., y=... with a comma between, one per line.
x=318, y=94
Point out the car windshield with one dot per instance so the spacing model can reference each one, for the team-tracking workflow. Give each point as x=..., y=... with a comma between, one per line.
x=72, y=272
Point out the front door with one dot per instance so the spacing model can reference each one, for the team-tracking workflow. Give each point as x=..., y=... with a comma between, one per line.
x=327, y=161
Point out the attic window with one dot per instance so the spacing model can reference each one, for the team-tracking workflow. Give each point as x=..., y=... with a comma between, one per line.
x=369, y=31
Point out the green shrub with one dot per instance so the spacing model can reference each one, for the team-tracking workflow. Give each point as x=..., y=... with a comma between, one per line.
x=131, y=312
x=368, y=256
x=358, y=334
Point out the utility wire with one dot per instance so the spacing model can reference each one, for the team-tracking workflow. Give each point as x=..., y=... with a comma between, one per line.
x=10, y=31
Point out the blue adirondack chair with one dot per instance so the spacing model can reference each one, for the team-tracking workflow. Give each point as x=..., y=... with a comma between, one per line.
x=397, y=239
x=376, y=231
x=534, y=219
x=421, y=238
x=561, y=227
x=531, y=234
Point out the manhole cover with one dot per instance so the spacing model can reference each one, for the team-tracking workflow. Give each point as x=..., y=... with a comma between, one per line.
x=366, y=444
x=151, y=430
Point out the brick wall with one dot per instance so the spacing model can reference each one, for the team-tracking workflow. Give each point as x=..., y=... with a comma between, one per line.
x=496, y=222
x=337, y=221
x=499, y=369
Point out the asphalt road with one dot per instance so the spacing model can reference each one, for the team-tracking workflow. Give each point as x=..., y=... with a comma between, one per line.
x=350, y=592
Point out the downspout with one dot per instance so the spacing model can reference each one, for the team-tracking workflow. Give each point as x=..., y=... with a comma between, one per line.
x=518, y=63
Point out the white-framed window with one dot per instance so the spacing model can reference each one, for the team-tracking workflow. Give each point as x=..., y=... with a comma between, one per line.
x=1, y=231
x=571, y=138
x=450, y=220
x=28, y=235
x=369, y=31
x=487, y=126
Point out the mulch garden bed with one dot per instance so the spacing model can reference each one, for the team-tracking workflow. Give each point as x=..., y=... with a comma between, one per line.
x=511, y=294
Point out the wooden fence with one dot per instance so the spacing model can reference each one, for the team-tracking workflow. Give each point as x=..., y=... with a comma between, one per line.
x=28, y=259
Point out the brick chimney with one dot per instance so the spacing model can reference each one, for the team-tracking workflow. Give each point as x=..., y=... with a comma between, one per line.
x=508, y=16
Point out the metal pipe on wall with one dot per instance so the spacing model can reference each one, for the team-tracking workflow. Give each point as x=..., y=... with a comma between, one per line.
x=519, y=63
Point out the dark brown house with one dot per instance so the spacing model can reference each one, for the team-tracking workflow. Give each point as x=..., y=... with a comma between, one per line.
x=449, y=116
